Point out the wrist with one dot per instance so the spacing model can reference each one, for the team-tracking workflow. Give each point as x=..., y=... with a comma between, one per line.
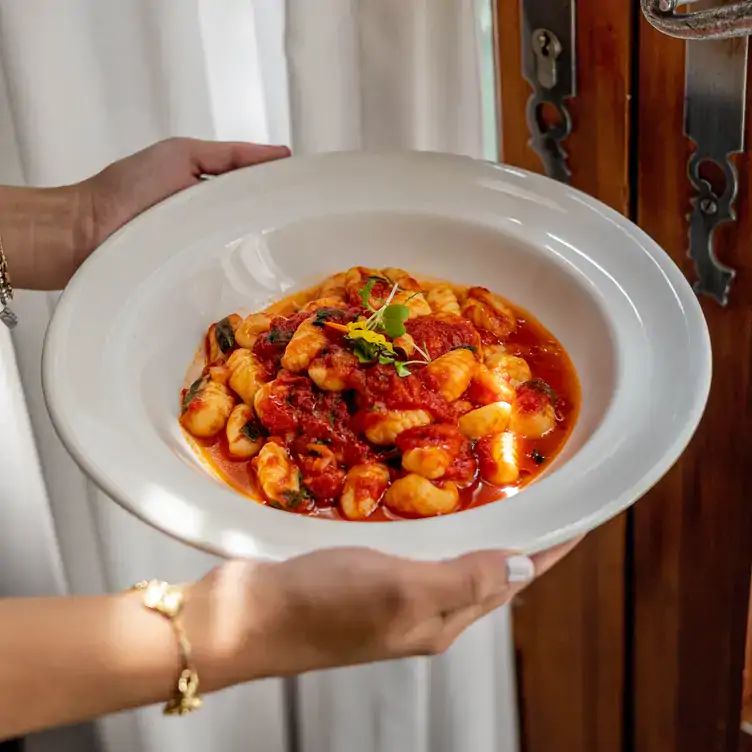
x=222, y=621
x=47, y=233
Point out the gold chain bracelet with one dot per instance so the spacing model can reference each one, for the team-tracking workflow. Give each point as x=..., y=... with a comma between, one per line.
x=167, y=600
x=7, y=316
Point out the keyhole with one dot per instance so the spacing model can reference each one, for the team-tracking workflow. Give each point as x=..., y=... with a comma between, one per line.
x=546, y=44
x=547, y=49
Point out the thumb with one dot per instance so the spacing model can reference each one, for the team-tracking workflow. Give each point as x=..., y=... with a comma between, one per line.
x=489, y=578
x=217, y=157
x=477, y=578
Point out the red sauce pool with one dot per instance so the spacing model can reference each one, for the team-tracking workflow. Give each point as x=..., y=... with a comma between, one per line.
x=547, y=360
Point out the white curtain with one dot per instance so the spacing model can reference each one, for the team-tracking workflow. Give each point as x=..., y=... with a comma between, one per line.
x=87, y=81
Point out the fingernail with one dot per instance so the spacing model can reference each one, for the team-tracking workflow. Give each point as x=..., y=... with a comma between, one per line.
x=520, y=568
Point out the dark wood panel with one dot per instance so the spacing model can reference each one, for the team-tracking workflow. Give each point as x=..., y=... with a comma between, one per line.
x=569, y=627
x=692, y=542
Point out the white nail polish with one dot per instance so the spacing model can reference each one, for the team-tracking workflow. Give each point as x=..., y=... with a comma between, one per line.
x=520, y=569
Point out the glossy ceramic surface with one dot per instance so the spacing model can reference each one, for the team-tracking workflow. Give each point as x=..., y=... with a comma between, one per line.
x=130, y=321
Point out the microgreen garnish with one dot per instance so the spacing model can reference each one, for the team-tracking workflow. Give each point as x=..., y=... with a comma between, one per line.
x=225, y=335
x=369, y=343
x=393, y=319
x=390, y=318
x=367, y=352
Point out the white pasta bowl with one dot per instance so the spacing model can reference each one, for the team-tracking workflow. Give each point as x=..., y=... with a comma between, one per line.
x=130, y=321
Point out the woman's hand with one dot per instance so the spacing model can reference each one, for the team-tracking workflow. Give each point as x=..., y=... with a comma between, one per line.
x=49, y=232
x=341, y=607
x=132, y=185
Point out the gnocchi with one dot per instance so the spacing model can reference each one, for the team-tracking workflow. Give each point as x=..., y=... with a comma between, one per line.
x=278, y=476
x=246, y=374
x=206, y=408
x=307, y=342
x=244, y=434
x=488, y=311
x=485, y=420
x=221, y=338
x=452, y=373
x=417, y=496
x=383, y=427
x=251, y=327
x=442, y=299
x=377, y=395
x=364, y=487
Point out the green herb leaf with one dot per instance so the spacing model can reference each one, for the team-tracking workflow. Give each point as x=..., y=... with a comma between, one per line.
x=542, y=387
x=193, y=391
x=276, y=505
x=327, y=314
x=537, y=457
x=252, y=430
x=402, y=369
x=386, y=358
x=225, y=335
x=393, y=319
x=274, y=336
x=294, y=498
x=365, y=293
x=366, y=352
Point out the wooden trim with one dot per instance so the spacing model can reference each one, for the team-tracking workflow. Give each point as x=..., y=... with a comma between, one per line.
x=745, y=743
x=692, y=542
x=570, y=626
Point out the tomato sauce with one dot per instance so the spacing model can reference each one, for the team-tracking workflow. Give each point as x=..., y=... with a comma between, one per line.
x=317, y=425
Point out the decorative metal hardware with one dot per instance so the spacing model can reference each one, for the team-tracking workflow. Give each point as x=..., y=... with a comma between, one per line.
x=714, y=111
x=548, y=64
x=721, y=22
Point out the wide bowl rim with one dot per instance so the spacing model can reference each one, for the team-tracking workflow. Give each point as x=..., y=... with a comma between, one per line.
x=686, y=298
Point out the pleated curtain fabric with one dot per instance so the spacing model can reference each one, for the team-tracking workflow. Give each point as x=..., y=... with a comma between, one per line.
x=88, y=81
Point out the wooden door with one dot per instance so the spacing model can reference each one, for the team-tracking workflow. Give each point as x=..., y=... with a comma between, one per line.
x=570, y=626
x=636, y=642
x=692, y=542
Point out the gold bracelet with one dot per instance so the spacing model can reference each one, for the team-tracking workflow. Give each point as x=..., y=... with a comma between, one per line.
x=167, y=600
x=7, y=316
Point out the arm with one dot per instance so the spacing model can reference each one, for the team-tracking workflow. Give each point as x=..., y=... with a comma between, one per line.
x=41, y=229
x=48, y=233
x=67, y=659
x=64, y=660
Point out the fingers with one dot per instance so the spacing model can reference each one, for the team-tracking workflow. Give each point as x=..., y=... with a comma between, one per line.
x=475, y=578
x=488, y=578
x=479, y=583
x=215, y=158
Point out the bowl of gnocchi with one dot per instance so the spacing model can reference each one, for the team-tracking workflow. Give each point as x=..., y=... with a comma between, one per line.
x=419, y=353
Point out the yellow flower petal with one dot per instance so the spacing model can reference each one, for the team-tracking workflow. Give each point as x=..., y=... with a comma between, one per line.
x=369, y=336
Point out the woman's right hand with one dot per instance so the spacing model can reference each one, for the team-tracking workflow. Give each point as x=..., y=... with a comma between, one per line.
x=340, y=607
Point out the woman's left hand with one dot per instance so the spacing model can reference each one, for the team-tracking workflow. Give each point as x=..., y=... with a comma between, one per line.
x=48, y=233
x=132, y=185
